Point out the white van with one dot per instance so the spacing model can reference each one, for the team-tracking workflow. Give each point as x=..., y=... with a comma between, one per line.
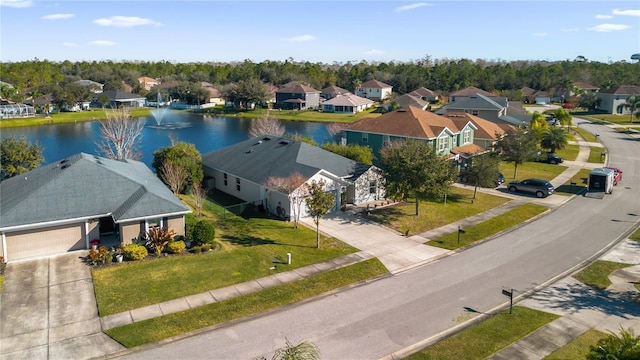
x=601, y=180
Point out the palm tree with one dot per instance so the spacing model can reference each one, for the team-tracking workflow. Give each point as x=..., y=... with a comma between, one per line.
x=554, y=138
x=303, y=351
x=632, y=103
x=625, y=346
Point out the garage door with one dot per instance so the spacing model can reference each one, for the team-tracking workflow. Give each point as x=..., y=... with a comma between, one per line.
x=44, y=242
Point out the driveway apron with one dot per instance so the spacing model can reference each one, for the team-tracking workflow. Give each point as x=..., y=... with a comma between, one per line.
x=48, y=311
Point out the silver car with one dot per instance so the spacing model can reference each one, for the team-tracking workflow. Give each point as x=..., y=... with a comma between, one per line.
x=541, y=188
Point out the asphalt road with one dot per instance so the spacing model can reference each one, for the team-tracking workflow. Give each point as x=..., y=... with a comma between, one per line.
x=374, y=320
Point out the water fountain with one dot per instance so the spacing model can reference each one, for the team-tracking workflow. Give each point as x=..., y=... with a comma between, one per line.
x=158, y=114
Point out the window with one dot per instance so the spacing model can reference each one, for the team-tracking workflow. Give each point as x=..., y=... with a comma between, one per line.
x=238, y=183
x=153, y=223
x=365, y=137
x=373, y=186
x=225, y=179
x=466, y=136
x=443, y=143
x=386, y=140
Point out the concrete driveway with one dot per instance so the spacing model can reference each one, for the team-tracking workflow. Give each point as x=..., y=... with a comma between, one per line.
x=48, y=311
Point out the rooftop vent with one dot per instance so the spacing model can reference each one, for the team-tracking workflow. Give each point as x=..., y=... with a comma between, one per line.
x=266, y=139
x=64, y=166
x=248, y=151
x=283, y=143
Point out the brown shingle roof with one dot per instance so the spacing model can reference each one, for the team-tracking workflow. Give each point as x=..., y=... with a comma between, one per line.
x=622, y=90
x=470, y=91
x=485, y=129
x=423, y=92
x=410, y=122
x=584, y=86
x=297, y=89
x=375, y=84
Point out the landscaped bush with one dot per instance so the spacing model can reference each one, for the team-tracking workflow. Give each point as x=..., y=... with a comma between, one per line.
x=176, y=247
x=101, y=255
x=190, y=221
x=135, y=252
x=196, y=249
x=203, y=233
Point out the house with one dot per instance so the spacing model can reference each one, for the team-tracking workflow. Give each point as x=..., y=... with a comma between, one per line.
x=62, y=206
x=486, y=132
x=612, y=100
x=561, y=94
x=406, y=100
x=297, y=97
x=347, y=103
x=425, y=94
x=215, y=96
x=118, y=98
x=489, y=108
x=243, y=170
x=44, y=103
x=94, y=87
x=332, y=91
x=532, y=96
x=468, y=92
x=447, y=136
x=374, y=90
x=147, y=82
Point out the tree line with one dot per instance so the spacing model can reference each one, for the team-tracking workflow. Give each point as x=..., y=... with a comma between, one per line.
x=441, y=75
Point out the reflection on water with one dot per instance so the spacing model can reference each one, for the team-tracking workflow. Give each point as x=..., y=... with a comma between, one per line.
x=206, y=132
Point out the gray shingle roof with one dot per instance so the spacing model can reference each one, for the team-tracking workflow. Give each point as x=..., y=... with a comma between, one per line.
x=258, y=159
x=84, y=186
x=348, y=100
x=119, y=95
x=477, y=102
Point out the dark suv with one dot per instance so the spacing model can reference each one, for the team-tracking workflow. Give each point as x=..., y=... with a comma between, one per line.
x=541, y=188
x=550, y=158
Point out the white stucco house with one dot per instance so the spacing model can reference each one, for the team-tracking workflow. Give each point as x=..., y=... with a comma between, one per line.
x=347, y=103
x=612, y=100
x=374, y=90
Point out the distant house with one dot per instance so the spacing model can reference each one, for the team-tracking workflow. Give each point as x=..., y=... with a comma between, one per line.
x=406, y=100
x=148, y=82
x=215, y=96
x=447, y=136
x=348, y=103
x=468, y=92
x=297, y=97
x=374, y=90
x=532, y=96
x=109, y=200
x=561, y=94
x=488, y=108
x=243, y=170
x=42, y=103
x=332, y=91
x=425, y=94
x=612, y=100
x=119, y=98
x=94, y=87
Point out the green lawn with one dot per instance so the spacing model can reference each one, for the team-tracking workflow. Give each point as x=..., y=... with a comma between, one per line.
x=435, y=214
x=570, y=152
x=596, y=274
x=488, y=228
x=531, y=170
x=179, y=323
x=616, y=119
x=67, y=117
x=635, y=236
x=487, y=337
x=580, y=180
x=577, y=348
x=587, y=136
x=595, y=155
x=308, y=115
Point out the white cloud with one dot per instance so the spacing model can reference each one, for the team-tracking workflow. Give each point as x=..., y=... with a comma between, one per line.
x=609, y=27
x=124, y=21
x=540, y=34
x=600, y=16
x=103, y=43
x=301, y=38
x=374, y=52
x=57, y=16
x=69, y=44
x=16, y=3
x=410, y=7
x=626, y=12
x=570, y=29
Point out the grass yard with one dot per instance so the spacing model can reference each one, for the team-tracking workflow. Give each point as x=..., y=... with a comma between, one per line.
x=1, y=281
x=179, y=323
x=596, y=274
x=67, y=117
x=309, y=115
x=435, y=214
x=635, y=236
x=488, y=228
x=570, y=152
x=587, y=136
x=595, y=155
x=531, y=169
x=577, y=348
x=487, y=337
x=580, y=180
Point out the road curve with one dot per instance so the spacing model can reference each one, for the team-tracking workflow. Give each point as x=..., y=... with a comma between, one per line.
x=385, y=316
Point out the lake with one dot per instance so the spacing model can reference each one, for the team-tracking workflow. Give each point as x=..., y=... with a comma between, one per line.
x=206, y=132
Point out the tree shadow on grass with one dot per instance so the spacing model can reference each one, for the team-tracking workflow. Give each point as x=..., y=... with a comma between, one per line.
x=248, y=240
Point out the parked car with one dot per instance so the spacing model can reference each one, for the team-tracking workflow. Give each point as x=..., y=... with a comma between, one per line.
x=567, y=106
x=499, y=179
x=617, y=174
x=541, y=188
x=550, y=158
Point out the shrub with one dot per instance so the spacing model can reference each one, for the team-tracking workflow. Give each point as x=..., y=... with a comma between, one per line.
x=102, y=255
x=135, y=252
x=203, y=233
x=189, y=222
x=158, y=238
x=176, y=247
x=196, y=249
x=206, y=247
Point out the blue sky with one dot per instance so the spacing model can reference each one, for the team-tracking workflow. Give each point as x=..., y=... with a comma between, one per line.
x=317, y=31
